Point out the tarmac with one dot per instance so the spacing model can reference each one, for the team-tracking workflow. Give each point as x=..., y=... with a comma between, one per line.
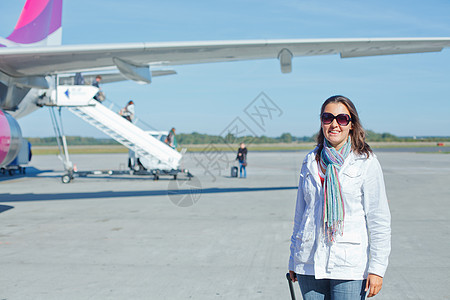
x=214, y=237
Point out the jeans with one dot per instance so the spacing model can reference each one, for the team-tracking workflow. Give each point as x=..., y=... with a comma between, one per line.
x=331, y=289
x=242, y=167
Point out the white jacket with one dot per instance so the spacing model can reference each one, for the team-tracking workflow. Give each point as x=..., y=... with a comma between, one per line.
x=366, y=243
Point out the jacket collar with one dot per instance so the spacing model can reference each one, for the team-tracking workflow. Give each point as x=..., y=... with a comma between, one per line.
x=313, y=169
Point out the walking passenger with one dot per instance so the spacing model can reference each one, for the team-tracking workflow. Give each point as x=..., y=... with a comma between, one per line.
x=171, y=139
x=242, y=158
x=128, y=111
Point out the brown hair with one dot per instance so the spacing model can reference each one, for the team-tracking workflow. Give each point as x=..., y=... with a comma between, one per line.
x=357, y=133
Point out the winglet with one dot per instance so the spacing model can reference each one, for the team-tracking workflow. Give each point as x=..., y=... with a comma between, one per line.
x=39, y=24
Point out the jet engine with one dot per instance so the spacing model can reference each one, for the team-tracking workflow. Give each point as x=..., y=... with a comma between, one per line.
x=10, y=138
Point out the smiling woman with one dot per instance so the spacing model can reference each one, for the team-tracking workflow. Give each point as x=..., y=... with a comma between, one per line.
x=341, y=183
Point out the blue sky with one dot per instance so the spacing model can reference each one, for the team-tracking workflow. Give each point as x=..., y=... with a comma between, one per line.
x=401, y=94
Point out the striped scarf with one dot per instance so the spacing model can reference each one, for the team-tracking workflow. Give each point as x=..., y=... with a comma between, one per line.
x=332, y=160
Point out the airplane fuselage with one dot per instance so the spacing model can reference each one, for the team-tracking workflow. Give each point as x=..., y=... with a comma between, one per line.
x=17, y=99
x=18, y=96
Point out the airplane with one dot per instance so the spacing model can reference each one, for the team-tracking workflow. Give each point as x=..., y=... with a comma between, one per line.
x=33, y=63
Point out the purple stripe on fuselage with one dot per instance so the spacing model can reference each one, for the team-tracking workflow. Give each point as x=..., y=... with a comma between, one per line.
x=55, y=23
x=2, y=45
x=44, y=25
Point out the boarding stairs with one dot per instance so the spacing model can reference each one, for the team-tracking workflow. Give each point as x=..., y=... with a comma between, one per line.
x=152, y=152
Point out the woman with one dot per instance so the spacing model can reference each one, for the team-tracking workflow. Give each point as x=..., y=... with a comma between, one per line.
x=242, y=158
x=128, y=111
x=341, y=239
x=171, y=139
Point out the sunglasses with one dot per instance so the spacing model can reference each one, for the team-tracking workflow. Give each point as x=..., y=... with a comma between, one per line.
x=342, y=119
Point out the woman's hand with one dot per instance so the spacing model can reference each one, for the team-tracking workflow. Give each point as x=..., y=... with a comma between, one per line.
x=293, y=276
x=374, y=282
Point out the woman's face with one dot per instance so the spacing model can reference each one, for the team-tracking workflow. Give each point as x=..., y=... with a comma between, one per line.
x=336, y=134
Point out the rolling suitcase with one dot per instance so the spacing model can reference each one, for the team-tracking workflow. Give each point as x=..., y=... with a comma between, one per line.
x=234, y=171
x=291, y=288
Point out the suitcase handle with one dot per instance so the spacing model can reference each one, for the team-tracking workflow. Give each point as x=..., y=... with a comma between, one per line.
x=291, y=288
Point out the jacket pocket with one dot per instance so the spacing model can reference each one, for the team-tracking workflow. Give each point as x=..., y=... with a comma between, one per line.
x=352, y=171
x=304, y=245
x=351, y=181
x=347, y=250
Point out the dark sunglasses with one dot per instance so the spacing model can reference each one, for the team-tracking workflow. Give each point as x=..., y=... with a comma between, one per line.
x=342, y=119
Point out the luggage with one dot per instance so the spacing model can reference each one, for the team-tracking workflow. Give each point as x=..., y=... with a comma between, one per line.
x=291, y=288
x=234, y=171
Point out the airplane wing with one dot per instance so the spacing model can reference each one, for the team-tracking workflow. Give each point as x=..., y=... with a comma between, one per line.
x=30, y=61
x=108, y=77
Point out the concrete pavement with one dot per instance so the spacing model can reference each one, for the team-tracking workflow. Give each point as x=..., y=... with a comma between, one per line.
x=215, y=237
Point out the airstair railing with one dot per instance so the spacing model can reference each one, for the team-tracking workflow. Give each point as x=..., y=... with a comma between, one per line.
x=111, y=105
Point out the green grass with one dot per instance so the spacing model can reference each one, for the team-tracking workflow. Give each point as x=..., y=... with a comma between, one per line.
x=53, y=150
x=437, y=152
